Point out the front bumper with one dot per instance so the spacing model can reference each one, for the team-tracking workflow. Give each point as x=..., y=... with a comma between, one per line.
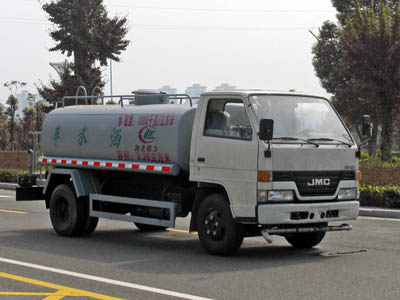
x=305, y=213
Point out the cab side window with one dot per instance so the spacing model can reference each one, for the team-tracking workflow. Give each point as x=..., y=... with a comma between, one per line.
x=227, y=119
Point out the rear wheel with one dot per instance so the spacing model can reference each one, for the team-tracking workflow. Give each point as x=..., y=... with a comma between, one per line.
x=305, y=240
x=69, y=215
x=218, y=232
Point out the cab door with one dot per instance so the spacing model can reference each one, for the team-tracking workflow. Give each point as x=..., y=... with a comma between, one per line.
x=226, y=152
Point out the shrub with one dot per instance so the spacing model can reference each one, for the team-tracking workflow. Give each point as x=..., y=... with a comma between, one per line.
x=380, y=196
x=10, y=175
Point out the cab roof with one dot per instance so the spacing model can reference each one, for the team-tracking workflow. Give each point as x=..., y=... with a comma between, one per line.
x=246, y=93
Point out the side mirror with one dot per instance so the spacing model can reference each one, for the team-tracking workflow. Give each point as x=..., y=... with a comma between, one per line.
x=367, y=126
x=266, y=129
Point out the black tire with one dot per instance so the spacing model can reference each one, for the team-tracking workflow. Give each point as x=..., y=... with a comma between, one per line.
x=218, y=232
x=147, y=227
x=90, y=224
x=69, y=215
x=305, y=240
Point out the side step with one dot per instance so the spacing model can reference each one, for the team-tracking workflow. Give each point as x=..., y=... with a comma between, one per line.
x=133, y=201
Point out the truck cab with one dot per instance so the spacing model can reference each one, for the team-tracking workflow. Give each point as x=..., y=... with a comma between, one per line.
x=304, y=176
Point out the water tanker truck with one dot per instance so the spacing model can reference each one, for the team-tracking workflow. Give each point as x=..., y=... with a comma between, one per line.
x=242, y=163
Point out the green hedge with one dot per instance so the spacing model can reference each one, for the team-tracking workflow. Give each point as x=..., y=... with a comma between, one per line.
x=11, y=176
x=380, y=196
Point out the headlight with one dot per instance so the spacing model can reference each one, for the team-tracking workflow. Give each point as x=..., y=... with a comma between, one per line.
x=280, y=196
x=347, y=194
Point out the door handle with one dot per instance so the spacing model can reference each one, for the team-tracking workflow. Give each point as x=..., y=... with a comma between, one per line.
x=201, y=159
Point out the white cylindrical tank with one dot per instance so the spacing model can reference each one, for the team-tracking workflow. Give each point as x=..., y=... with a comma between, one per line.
x=150, y=133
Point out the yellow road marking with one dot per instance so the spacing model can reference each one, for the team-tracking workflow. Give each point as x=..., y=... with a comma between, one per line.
x=13, y=211
x=62, y=291
x=24, y=294
x=59, y=295
x=180, y=231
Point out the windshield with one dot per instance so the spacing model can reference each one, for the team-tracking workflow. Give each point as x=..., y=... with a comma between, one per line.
x=300, y=117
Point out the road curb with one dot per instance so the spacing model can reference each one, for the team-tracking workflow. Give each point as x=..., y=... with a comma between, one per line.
x=8, y=186
x=379, y=212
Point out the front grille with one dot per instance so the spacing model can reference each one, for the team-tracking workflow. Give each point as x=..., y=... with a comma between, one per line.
x=315, y=183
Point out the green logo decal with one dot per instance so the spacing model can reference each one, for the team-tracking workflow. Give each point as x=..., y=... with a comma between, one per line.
x=147, y=134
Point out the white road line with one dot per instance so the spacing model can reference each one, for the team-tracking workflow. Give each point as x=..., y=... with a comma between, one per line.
x=104, y=280
x=2, y=196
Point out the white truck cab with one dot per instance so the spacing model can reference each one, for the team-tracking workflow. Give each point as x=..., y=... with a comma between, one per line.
x=307, y=173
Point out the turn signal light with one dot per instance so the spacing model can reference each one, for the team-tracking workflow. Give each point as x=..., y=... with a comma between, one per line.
x=359, y=175
x=264, y=176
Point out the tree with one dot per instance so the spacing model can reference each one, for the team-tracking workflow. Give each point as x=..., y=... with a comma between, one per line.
x=333, y=72
x=371, y=51
x=330, y=69
x=28, y=126
x=12, y=103
x=3, y=129
x=83, y=30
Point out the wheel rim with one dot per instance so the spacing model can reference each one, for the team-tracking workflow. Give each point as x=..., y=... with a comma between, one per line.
x=215, y=228
x=63, y=210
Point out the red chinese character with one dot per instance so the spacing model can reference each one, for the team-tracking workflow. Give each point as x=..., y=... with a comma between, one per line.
x=126, y=120
x=166, y=120
x=149, y=148
x=155, y=123
x=143, y=120
x=137, y=147
x=160, y=157
x=120, y=120
x=171, y=120
x=147, y=156
x=127, y=156
x=143, y=148
x=153, y=157
x=155, y=148
x=130, y=123
x=138, y=156
x=162, y=120
x=120, y=155
x=167, y=159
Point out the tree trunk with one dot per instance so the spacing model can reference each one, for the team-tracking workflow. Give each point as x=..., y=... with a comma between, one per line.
x=81, y=58
x=387, y=132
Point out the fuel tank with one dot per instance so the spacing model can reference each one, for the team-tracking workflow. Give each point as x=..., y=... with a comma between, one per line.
x=149, y=133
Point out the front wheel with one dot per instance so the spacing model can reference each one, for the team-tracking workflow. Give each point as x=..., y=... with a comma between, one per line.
x=305, y=240
x=218, y=232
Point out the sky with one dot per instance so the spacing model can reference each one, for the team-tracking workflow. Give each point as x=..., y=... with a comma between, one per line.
x=253, y=44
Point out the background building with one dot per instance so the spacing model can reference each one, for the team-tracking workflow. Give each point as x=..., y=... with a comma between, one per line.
x=195, y=90
x=225, y=87
x=167, y=89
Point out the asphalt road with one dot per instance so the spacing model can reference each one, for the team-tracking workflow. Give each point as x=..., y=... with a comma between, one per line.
x=120, y=261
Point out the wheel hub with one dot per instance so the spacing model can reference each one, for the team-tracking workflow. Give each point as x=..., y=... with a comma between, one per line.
x=214, y=225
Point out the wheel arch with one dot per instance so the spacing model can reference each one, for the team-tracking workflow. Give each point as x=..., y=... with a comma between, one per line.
x=205, y=189
x=84, y=182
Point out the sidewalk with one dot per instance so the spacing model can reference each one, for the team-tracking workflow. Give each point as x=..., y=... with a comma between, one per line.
x=375, y=212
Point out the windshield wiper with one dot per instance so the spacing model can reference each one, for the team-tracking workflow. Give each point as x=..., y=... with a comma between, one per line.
x=289, y=138
x=331, y=140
